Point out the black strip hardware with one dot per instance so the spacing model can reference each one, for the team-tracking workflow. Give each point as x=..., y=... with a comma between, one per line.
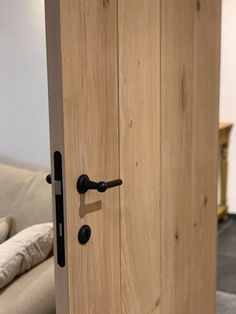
x=59, y=203
x=84, y=184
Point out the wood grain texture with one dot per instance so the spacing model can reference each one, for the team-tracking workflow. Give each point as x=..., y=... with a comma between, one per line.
x=133, y=92
x=176, y=153
x=90, y=118
x=189, y=126
x=139, y=82
x=205, y=156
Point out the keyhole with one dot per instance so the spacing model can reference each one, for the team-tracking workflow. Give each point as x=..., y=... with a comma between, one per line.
x=84, y=234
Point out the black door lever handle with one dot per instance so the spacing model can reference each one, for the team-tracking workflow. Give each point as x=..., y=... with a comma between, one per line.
x=84, y=184
x=49, y=179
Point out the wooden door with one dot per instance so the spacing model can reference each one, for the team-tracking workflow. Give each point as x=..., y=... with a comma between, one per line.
x=133, y=94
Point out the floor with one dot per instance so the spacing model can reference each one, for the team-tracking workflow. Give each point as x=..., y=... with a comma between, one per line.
x=226, y=272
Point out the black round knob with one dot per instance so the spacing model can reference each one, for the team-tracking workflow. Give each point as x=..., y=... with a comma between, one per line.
x=84, y=234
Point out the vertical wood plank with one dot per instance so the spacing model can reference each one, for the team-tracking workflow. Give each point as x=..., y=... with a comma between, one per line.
x=176, y=153
x=189, y=128
x=89, y=32
x=139, y=81
x=88, y=105
x=205, y=155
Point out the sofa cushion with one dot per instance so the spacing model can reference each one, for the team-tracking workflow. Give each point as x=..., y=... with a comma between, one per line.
x=25, y=250
x=5, y=228
x=25, y=196
x=32, y=293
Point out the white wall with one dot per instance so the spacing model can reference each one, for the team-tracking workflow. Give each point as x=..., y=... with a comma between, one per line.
x=24, y=130
x=228, y=89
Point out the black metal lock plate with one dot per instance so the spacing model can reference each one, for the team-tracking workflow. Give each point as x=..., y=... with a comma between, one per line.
x=58, y=182
x=84, y=234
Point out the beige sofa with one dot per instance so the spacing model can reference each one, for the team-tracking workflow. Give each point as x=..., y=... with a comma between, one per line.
x=26, y=196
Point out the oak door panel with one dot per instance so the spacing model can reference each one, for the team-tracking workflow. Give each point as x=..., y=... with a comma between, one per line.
x=176, y=153
x=133, y=93
x=139, y=79
x=89, y=109
x=205, y=156
x=189, y=128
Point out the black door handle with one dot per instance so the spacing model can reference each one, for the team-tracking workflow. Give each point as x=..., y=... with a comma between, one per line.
x=84, y=184
x=49, y=179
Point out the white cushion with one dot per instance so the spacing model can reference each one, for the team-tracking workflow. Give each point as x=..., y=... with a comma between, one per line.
x=5, y=227
x=25, y=250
